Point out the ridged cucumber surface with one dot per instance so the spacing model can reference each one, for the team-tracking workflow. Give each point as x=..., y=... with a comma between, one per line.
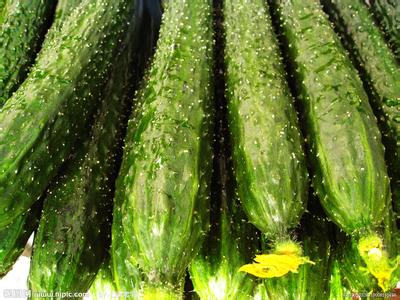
x=41, y=121
x=103, y=286
x=336, y=289
x=23, y=25
x=346, y=152
x=387, y=12
x=162, y=194
x=64, y=8
x=379, y=71
x=267, y=147
x=75, y=225
x=231, y=242
x=15, y=235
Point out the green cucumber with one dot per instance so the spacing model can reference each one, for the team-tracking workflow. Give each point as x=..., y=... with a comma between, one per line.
x=353, y=278
x=2, y=4
x=231, y=241
x=379, y=71
x=311, y=280
x=345, y=149
x=162, y=192
x=75, y=225
x=23, y=25
x=41, y=122
x=103, y=286
x=15, y=235
x=336, y=289
x=64, y=9
x=387, y=12
x=267, y=146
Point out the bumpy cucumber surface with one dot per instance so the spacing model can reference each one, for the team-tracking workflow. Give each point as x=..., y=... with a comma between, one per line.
x=2, y=3
x=162, y=191
x=267, y=149
x=103, y=286
x=379, y=71
x=231, y=242
x=336, y=289
x=41, y=121
x=65, y=7
x=346, y=152
x=347, y=156
x=23, y=25
x=15, y=235
x=387, y=12
x=75, y=225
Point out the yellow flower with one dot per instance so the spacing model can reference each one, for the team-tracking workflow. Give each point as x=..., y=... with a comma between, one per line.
x=286, y=258
x=378, y=263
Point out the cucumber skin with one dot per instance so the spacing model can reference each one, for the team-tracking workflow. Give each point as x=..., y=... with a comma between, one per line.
x=76, y=219
x=231, y=242
x=64, y=9
x=103, y=286
x=41, y=122
x=267, y=147
x=178, y=137
x=336, y=290
x=23, y=25
x=380, y=72
x=119, y=247
x=14, y=236
x=311, y=281
x=388, y=14
x=346, y=153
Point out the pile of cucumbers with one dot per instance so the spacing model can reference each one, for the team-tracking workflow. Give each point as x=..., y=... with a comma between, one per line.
x=199, y=149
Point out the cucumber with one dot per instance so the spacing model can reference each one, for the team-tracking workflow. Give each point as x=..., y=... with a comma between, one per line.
x=41, y=122
x=162, y=191
x=230, y=242
x=379, y=71
x=75, y=225
x=336, y=290
x=346, y=255
x=15, y=235
x=23, y=25
x=311, y=281
x=103, y=286
x=64, y=9
x=345, y=149
x=267, y=146
x=387, y=13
